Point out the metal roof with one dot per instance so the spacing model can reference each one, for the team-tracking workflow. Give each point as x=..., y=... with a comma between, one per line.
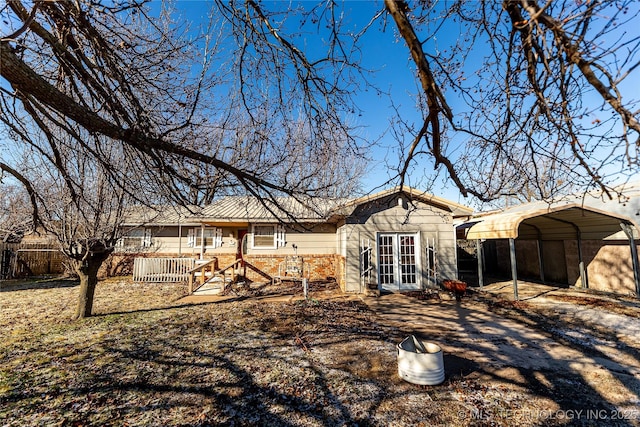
x=541, y=220
x=245, y=209
x=236, y=209
x=161, y=215
x=627, y=206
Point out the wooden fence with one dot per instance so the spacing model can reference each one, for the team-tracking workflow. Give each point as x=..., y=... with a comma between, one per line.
x=6, y=259
x=32, y=259
x=162, y=269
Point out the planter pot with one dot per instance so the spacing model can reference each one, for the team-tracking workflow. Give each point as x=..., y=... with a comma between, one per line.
x=457, y=287
x=420, y=363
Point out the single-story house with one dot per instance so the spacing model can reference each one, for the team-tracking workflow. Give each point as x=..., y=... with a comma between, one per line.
x=398, y=239
x=589, y=242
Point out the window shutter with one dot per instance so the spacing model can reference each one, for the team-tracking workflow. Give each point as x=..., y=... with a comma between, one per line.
x=146, y=240
x=280, y=237
x=191, y=237
x=217, y=237
x=251, y=240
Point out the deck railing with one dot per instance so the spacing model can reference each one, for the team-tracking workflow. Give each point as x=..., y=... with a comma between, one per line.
x=162, y=270
x=200, y=274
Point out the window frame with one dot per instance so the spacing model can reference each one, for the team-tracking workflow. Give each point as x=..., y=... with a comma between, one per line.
x=278, y=236
x=135, y=239
x=212, y=237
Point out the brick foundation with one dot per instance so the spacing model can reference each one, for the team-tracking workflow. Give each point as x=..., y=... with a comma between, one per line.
x=341, y=271
x=320, y=267
x=259, y=268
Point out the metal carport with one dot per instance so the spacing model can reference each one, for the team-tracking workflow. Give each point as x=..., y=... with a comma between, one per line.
x=543, y=221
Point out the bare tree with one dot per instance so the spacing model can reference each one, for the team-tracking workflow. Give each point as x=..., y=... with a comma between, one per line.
x=15, y=212
x=527, y=97
x=76, y=198
x=104, y=105
x=116, y=71
x=546, y=91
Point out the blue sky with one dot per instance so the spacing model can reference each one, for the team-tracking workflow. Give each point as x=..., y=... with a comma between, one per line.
x=389, y=58
x=387, y=55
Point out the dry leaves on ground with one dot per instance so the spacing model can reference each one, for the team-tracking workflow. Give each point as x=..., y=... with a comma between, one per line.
x=144, y=359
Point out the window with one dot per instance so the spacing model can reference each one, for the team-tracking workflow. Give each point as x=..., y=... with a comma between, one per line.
x=212, y=237
x=135, y=239
x=268, y=236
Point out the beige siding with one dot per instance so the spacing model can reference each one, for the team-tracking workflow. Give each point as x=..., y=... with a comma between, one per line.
x=341, y=239
x=387, y=216
x=333, y=244
x=319, y=240
x=312, y=240
x=166, y=241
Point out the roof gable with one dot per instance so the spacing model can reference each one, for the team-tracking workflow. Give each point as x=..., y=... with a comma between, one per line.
x=412, y=194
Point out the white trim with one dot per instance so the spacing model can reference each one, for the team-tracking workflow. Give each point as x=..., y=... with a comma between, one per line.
x=212, y=237
x=279, y=236
x=217, y=237
x=396, y=266
x=146, y=239
x=135, y=239
x=191, y=237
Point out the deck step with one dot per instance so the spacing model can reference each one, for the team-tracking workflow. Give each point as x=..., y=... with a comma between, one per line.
x=210, y=288
x=207, y=274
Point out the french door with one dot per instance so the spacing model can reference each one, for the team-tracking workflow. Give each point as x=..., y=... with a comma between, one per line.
x=398, y=261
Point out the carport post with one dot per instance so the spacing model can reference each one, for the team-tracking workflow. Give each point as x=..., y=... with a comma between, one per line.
x=541, y=260
x=480, y=262
x=584, y=278
x=628, y=230
x=514, y=268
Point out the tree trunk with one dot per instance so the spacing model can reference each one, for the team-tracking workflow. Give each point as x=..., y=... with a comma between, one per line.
x=88, y=273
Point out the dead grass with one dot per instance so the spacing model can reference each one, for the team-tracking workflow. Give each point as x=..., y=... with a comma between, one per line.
x=616, y=306
x=144, y=360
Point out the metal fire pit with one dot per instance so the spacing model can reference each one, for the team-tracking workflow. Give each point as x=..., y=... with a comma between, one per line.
x=420, y=363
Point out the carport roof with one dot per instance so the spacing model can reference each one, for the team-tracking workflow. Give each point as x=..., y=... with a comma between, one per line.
x=541, y=220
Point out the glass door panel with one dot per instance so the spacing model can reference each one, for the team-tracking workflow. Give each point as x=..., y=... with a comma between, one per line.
x=386, y=262
x=407, y=260
x=398, y=262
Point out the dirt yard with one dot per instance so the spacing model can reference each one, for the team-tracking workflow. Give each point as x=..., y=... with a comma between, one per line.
x=260, y=357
